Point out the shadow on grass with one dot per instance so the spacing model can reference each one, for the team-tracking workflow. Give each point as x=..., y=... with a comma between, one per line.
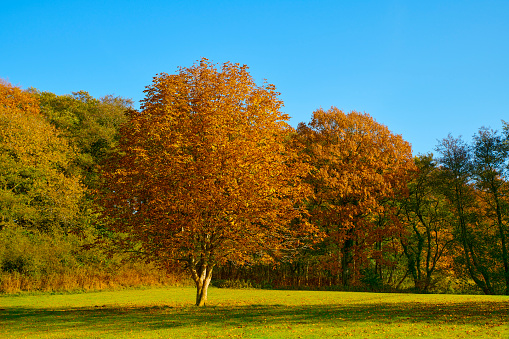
x=165, y=317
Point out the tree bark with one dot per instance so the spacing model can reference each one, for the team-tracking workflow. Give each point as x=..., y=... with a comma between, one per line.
x=202, y=275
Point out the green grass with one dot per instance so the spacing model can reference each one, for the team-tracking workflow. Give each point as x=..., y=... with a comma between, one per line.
x=168, y=313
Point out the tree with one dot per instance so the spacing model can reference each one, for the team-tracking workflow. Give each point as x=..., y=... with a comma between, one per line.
x=457, y=185
x=357, y=165
x=490, y=155
x=427, y=215
x=204, y=175
x=37, y=191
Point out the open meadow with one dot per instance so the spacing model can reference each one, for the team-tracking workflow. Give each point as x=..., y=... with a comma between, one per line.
x=251, y=313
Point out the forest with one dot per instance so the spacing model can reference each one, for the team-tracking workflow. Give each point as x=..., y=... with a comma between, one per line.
x=207, y=183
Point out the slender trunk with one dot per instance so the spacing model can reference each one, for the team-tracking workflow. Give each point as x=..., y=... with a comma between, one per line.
x=505, y=256
x=416, y=258
x=410, y=265
x=402, y=279
x=307, y=272
x=341, y=260
x=345, y=263
x=472, y=266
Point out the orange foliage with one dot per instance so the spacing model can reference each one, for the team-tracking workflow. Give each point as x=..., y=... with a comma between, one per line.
x=15, y=99
x=205, y=176
x=358, y=165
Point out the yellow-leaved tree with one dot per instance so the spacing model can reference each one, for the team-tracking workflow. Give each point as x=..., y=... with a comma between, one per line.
x=204, y=174
x=37, y=190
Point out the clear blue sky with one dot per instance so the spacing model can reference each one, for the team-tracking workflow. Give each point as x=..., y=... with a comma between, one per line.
x=422, y=68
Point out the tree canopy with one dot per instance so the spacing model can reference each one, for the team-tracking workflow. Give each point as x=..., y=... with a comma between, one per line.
x=36, y=188
x=357, y=165
x=205, y=173
x=208, y=176
x=89, y=125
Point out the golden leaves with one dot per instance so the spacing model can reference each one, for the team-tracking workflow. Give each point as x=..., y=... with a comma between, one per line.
x=357, y=166
x=206, y=159
x=357, y=162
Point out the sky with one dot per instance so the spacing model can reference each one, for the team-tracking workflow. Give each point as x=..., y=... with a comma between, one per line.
x=422, y=68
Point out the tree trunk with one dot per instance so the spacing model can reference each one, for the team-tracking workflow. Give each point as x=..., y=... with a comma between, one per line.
x=505, y=255
x=346, y=261
x=505, y=258
x=202, y=277
x=472, y=266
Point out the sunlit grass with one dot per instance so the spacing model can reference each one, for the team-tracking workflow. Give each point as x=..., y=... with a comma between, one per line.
x=168, y=313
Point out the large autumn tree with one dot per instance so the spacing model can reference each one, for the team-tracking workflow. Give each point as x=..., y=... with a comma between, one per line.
x=357, y=166
x=204, y=174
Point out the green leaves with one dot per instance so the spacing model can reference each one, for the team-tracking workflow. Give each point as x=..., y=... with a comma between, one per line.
x=35, y=185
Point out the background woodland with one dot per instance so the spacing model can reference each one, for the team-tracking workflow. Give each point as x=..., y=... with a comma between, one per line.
x=377, y=217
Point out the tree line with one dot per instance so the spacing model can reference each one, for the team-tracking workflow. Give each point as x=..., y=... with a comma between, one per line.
x=209, y=177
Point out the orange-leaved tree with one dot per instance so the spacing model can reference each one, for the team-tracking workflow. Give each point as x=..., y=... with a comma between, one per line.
x=204, y=173
x=358, y=164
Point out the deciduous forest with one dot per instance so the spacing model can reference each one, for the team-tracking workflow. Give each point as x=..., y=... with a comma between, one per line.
x=207, y=183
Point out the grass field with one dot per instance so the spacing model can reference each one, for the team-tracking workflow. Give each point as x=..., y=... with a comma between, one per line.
x=168, y=313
